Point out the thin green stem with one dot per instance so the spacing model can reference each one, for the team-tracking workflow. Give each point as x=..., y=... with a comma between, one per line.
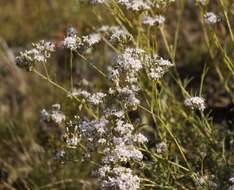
x=92, y=65
x=71, y=69
x=171, y=134
x=50, y=81
x=46, y=71
x=170, y=53
x=88, y=110
x=110, y=45
x=227, y=20
x=178, y=29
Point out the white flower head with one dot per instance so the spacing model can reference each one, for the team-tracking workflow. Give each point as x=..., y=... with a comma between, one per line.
x=123, y=153
x=72, y=42
x=131, y=59
x=54, y=115
x=123, y=128
x=57, y=117
x=231, y=180
x=140, y=138
x=157, y=67
x=92, y=39
x=136, y=5
x=195, y=103
x=120, y=178
x=211, y=18
x=72, y=141
x=118, y=34
x=40, y=52
x=96, y=98
x=161, y=147
x=156, y=20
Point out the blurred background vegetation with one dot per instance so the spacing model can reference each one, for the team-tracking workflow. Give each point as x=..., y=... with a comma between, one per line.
x=24, y=164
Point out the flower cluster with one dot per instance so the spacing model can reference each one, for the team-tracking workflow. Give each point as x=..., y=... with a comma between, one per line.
x=115, y=33
x=211, y=18
x=40, y=52
x=95, y=98
x=119, y=177
x=118, y=142
x=94, y=133
x=92, y=39
x=72, y=42
x=125, y=73
x=161, y=148
x=151, y=21
x=231, y=180
x=157, y=67
x=205, y=181
x=137, y=5
x=195, y=103
x=108, y=134
x=55, y=115
x=112, y=33
x=71, y=136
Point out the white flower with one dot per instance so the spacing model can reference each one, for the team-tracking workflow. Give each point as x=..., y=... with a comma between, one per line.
x=159, y=19
x=96, y=98
x=92, y=39
x=54, y=115
x=160, y=3
x=123, y=153
x=83, y=93
x=71, y=42
x=57, y=117
x=200, y=180
x=195, y=103
x=140, y=138
x=231, y=180
x=118, y=34
x=123, y=128
x=56, y=107
x=157, y=67
x=60, y=154
x=211, y=18
x=104, y=28
x=120, y=178
x=130, y=59
x=44, y=46
x=72, y=141
x=40, y=52
x=231, y=187
x=94, y=129
x=136, y=5
x=164, y=62
x=161, y=147
x=104, y=170
x=155, y=73
x=45, y=116
x=129, y=97
x=102, y=141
